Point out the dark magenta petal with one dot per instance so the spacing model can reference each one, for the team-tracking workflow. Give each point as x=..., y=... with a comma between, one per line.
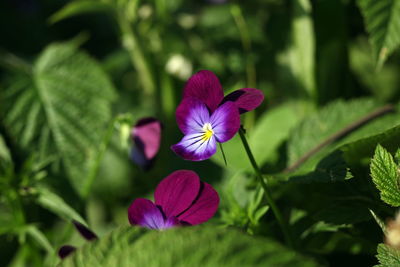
x=203, y=208
x=195, y=148
x=177, y=191
x=147, y=137
x=191, y=115
x=66, y=250
x=205, y=86
x=246, y=99
x=225, y=121
x=84, y=231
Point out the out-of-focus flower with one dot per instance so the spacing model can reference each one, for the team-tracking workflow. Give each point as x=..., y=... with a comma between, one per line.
x=206, y=117
x=393, y=232
x=179, y=66
x=180, y=199
x=85, y=232
x=146, y=135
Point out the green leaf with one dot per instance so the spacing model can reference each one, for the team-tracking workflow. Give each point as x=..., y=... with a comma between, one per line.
x=382, y=19
x=40, y=238
x=62, y=110
x=190, y=246
x=80, y=7
x=385, y=174
x=335, y=117
x=271, y=130
x=387, y=256
x=299, y=58
x=57, y=205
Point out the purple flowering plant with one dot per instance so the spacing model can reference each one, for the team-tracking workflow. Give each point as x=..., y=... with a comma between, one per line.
x=146, y=136
x=180, y=199
x=206, y=117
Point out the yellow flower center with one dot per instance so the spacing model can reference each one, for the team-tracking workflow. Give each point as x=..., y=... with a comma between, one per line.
x=208, y=132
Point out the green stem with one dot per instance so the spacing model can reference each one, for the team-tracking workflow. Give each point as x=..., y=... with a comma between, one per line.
x=131, y=44
x=245, y=38
x=100, y=154
x=271, y=202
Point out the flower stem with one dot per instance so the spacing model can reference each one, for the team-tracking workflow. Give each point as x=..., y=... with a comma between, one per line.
x=131, y=44
x=271, y=202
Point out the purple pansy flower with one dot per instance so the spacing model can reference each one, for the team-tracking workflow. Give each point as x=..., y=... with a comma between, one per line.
x=180, y=199
x=146, y=135
x=206, y=117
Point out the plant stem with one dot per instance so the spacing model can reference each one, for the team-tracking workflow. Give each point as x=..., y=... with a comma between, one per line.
x=271, y=202
x=131, y=44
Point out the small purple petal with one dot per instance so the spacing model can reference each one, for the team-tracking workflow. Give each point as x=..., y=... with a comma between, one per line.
x=193, y=147
x=203, y=208
x=191, y=115
x=84, y=231
x=225, y=121
x=66, y=250
x=147, y=137
x=205, y=86
x=177, y=191
x=143, y=212
x=246, y=99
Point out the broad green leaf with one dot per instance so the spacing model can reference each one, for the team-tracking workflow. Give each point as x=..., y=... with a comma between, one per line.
x=383, y=84
x=273, y=128
x=388, y=256
x=62, y=109
x=191, y=246
x=332, y=168
x=79, y=7
x=57, y=205
x=385, y=174
x=382, y=20
x=333, y=118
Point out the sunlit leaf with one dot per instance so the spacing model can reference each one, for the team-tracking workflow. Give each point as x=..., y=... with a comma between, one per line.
x=382, y=20
x=79, y=7
x=62, y=109
x=385, y=174
x=192, y=246
x=387, y=256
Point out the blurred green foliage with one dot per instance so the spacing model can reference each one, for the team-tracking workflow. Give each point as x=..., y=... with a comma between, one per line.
x=75, y=76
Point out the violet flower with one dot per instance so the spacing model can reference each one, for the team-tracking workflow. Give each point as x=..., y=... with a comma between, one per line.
x=146, y=135
x=206, y=117
x=180, y=199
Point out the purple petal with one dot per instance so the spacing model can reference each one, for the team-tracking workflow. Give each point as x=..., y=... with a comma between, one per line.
x=66, y=250
x=147, y=137
x=177, y=191
x=145, y=213
x=225, y=121
x=84, y=231
x=246, y=99
x=195, y=148
x=203, y=208
x=205, y=86
x=191, y=115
